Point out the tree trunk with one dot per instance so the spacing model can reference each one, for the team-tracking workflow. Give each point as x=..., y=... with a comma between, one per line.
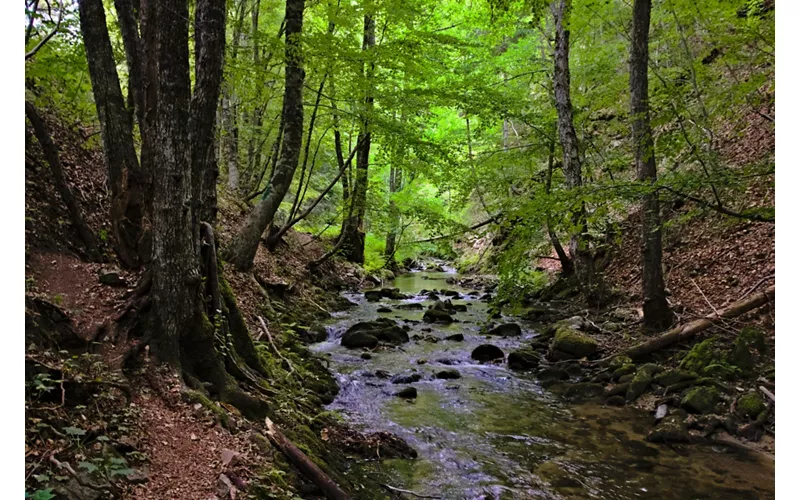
x=395, y=185
x=657, y=315
x=209, y=45
x=353, y=226
x=244, y=247
x=591, y=285
x=230, y=132
x=176, y=277
x=566, y=263
x=51, y=154
x=125, y=178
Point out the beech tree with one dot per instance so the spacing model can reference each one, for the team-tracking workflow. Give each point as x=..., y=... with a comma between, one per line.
x=245, y=244
x=657, y=315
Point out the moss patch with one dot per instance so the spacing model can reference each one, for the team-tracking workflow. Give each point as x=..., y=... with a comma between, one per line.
x=750, y=405
x=573, y=342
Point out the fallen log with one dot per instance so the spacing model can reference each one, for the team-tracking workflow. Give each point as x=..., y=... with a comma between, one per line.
x=303, y=463
x=687, y=331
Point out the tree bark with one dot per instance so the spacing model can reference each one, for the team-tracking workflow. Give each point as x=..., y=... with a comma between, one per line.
x=176, y=277
x=244, y=247
x=209, y=46
x=126, y=180
x=42, y=134
x=567, y=268
x=230, y=132
x=395, y=185
x=590, y=283
x=657, y=315
x=353, y=234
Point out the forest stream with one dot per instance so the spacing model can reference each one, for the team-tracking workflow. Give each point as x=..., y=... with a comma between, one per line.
x=495, y=433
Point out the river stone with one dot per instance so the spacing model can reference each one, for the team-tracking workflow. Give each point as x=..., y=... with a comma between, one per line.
x=750, y=405
x=670, y=430
x=407, y=393
x=456, y=337
x=552, y=373
x=373, y=295
x=393, y=293
x=382, y=374
x=460, y=307
x=436, y=316
x=506, y=330
x=448, y=374
x=641, y=381
x=356, y=339
x=626, y=369
x=486, y=297
x=451, y=293
x=487, y=352
x=406, y=378
x=432, y=296
x=583, y=390
x=615, y=401
x=366, y=355
x=661, y=412
x=384, y=309
x=523, y=359
x=317, y=333
x=411, y=306
x=625, y=379
x=572, y=343
x=700, y=400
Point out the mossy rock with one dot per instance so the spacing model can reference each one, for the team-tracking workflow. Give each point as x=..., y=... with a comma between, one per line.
x=357, y=339
x=641, y=381
x=700, y=400
x=551, y=374
x=197, y=397
x=700, y=356
x=573, y=343
x=741, y=355
x=623, y=370
x=721, y=370
x=436, y=316
x=449, y=374
x=619, y=362
x=672, y=377
x=753, y=337
x=670, y=430
x=750, y=405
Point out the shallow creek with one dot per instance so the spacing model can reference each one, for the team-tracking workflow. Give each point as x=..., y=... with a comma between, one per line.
x=496, y=434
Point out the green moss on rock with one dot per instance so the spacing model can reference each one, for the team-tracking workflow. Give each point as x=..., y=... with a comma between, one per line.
x=750, y=405
x=700, y=356
x=700, y=400
x=573, y=343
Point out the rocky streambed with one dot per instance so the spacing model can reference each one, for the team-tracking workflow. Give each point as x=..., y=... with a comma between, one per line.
x=422, y=359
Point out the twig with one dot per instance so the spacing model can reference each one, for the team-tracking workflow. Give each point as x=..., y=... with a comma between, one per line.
x=274, y=347
x=407, y=492
x=762, y=280
x=704, y=297
x=767, y=393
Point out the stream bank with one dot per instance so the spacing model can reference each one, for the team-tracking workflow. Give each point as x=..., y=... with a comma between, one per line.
x=482, y=430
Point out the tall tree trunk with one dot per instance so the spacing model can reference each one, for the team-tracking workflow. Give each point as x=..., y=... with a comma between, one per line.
x=59, y=179
x=657, y=315
x=567, y=268
x=591, y=285
x=395, y=185
x=230, y=132
x=353, y=227
x=176, y=278
x=245, y=244
x=125, y=178
x=209, y=45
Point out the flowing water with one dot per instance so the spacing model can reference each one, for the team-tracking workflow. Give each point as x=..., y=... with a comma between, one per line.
x=497, y=434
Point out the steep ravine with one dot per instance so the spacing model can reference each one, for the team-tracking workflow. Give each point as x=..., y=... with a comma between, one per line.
x=497, y=433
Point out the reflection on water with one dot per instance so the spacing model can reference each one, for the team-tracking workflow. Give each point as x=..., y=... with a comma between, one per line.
x=497, y=434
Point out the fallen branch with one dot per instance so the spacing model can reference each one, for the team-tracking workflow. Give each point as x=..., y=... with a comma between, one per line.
x=407, y=492
x=687, y=331
x=303, y=463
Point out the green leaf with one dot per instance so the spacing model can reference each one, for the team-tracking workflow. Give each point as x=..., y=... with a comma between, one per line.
x=122, y=472
x=90, y=467
x=74, y=431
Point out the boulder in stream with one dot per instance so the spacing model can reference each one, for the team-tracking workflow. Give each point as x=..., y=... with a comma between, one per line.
x=373, y=295
x=406, y=378
x=456, y=337
x=384, y=309
x=523, y=359
x=407, y=393
x=411, y=306
x=370, y=333
x=569, y=343
x=436, y=316
x=450, y=373
x=506, y=330
x=357, y=339
x=487, y=352
x=583, y=390
x=670, y=430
